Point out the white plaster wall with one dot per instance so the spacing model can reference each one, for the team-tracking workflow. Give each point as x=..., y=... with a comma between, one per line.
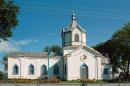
x=99, y=68
x=37, y=62
x=74, y=62
x=12, y=62
x=82, y=37
x=76, y=31
x=66, y=51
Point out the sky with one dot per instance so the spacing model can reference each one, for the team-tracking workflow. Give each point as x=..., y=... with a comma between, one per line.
x=41, y=22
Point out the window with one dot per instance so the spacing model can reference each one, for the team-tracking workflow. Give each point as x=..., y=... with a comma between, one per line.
x=56, y=70
x=103, y=61
x=65, y=69
x=31, y=70
x=105, y=71
x=76, y=37
x=15, y=70
x=43, y=70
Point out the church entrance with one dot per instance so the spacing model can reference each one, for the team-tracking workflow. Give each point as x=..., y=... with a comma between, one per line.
x=84, y=72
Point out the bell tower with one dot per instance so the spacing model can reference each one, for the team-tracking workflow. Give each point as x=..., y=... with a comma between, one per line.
x=73, y=35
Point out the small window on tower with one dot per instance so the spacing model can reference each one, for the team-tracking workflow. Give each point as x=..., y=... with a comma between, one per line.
x=76, y=37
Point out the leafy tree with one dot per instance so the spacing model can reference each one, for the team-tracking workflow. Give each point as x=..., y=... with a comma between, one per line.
x=8, y=18
x=5, y=63
x=108, y=49
x=1, y=75
x=122, y=38
x=53, y=48
x=46, y=49
x=118, y=50
x=56, y=48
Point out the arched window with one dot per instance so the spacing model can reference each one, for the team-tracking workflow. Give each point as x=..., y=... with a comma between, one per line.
x=76, y=37
x=31, y=69
x=106, y=71
x=84, y=72
x=15, y=70
x=56, y=70
x=43, y=70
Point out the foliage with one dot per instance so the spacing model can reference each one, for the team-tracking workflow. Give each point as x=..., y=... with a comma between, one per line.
x=8, y=18
x=53, y=48
x=1, y=75
x=118, y=50
x=122, y=38
x=4, y=61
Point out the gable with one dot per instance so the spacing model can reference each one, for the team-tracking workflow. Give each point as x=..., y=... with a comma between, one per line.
x=81, y=52
x=81, y=56
x=91, y=50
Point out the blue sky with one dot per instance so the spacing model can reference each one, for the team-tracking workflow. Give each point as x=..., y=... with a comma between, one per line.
x=41, y=22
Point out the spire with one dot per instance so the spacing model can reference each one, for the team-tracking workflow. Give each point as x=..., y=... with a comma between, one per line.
x=73, y=16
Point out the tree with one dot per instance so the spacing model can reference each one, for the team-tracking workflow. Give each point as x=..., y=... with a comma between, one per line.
x=46, y=49
x=1, y=75
x=8, y=18
x=53, y=48
x=118, y=50
x=108, y=49
x=56, y=48
x=5, y=63
x=122, y=37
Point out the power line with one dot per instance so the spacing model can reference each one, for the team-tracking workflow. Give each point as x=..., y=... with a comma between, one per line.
x=67, y=10
x=83, y=12
x=88, y=15
x=87, y=8
x=53, y=9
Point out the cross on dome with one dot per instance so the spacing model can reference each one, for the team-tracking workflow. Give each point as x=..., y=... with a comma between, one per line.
x=73, y=16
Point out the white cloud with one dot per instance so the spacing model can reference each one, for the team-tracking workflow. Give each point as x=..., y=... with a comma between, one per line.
x=25, y=42
x=7, y=46
x=13, y=45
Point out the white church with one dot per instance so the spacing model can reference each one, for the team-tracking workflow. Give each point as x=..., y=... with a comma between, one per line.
x=77, y=62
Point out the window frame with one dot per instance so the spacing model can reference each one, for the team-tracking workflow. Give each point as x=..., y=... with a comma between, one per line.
x=31, y=70
x=43, y=70
x=56, y=69
x=15, y=70
x=76, y=37
x=106, y=71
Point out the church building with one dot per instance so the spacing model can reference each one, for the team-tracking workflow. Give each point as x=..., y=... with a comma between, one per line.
x=77, y=62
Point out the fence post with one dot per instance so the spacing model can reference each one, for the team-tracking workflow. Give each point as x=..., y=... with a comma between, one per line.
x=38, y=84
x=83, y=84
x=118, y=84
x=100, y=83
x=15, y=84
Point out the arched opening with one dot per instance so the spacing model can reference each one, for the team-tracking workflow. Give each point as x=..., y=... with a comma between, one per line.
x=31, y=69
x=84, y=72
x=43, y=72
x=106, y=71
x=56, y=70
x=15, y=70
x=76, y=37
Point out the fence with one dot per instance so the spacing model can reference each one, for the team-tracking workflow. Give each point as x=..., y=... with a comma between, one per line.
x=64, y=84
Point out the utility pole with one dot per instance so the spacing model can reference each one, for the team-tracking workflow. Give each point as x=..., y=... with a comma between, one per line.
x=49, y=55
